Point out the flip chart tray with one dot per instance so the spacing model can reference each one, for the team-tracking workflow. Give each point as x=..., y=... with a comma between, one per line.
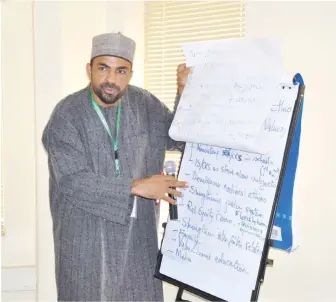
x=267, y=242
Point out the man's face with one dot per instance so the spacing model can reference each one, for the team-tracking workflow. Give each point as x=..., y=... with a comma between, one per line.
x=109, y=77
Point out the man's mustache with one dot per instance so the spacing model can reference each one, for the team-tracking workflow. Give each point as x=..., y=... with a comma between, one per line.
x=110, y=85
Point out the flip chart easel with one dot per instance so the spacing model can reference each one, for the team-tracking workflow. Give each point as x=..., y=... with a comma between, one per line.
x=264, y=261
x=284, y=233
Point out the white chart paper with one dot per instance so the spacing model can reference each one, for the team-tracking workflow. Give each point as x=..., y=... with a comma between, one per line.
x=217, y=243
x=229, y=95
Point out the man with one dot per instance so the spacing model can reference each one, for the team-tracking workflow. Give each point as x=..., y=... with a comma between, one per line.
x=106, y=145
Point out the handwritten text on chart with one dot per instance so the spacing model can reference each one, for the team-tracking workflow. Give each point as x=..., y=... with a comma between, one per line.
x=239, y=104
x=229, y=102
x=224, y=214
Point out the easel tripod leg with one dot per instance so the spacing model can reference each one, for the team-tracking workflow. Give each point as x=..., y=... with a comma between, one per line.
x=179, y=295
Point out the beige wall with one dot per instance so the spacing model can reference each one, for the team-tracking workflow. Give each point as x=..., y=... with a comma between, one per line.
x=43, y=63
x=307, y=32
x=18, y=246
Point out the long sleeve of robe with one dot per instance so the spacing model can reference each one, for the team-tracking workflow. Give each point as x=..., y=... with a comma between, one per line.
x=101, y=252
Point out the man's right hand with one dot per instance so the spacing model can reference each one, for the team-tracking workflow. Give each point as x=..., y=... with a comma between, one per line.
x=157, y=186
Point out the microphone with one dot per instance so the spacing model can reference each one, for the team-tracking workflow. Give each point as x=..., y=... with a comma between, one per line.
x=170, y=168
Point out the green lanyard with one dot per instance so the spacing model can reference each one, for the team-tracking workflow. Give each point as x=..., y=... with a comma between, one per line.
x=114, y=142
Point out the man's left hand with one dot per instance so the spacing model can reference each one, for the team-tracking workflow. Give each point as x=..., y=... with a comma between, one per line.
x=182, y=77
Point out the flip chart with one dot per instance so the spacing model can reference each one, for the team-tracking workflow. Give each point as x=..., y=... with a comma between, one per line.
x=234, y=116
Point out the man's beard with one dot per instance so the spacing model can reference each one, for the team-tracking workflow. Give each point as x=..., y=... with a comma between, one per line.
x=108, y=98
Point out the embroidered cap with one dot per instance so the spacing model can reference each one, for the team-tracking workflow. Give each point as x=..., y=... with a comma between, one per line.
x=113, y=44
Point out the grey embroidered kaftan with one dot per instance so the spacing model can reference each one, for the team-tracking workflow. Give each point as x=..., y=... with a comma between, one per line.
x=101, y=253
